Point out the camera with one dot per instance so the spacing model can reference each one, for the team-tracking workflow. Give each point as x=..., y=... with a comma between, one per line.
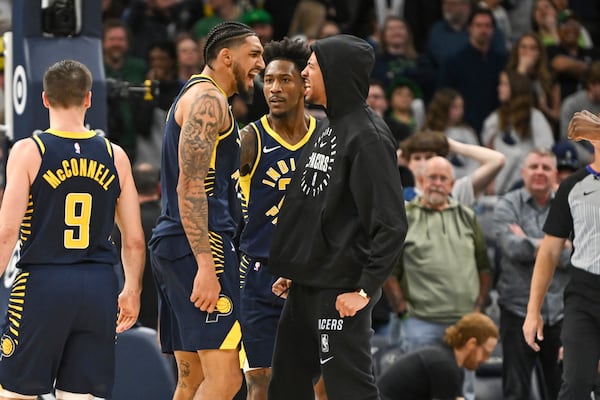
x=60, y=18
x=117, y=89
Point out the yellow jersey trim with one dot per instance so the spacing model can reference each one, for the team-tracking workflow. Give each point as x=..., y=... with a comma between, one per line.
x=40, y=143
x=233, y=338
x=71, y=135
x=109, y=147
x=312, y=123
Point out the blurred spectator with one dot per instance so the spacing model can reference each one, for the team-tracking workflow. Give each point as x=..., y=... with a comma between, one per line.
x=329, y=28
x=528, y=57
x=519, y=14
x=544, y=22
x=405, y=104
x=385, y=9
x=501, y=17
x=590, y=14
x=125, y=121
x=562, y=7
x=568, y=59
x=162, y=61
x=261, y=22
x=188, y=57
x=396, y=58
x=377, y=99
x=308, y=18
x=150, y=21
x=445, y=114
x=147, y=183
x=436, y=372
x=474, y=69
x=218, y=10
x=519, y=217
x=449, y=35
x=444, y=267
x=515, y=128
x=567, y=160
x=584, y=99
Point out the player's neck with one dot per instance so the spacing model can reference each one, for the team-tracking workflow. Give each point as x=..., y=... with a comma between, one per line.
x=67, y=120
x=221, y=78
x=291, y=127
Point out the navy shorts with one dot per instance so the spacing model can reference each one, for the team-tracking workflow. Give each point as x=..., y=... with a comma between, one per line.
x=259, y=312
x=60, y=325
x=183, y=327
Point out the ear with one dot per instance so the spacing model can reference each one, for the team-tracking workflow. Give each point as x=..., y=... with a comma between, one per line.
x=45, y=101
x=226, y=56
x=87, y=102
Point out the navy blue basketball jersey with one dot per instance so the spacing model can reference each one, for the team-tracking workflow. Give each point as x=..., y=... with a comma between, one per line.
x=71, y=210
x=221, y=182
x=264, y=187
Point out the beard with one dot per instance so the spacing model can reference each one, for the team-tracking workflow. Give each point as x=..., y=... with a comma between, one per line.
x=246, y=93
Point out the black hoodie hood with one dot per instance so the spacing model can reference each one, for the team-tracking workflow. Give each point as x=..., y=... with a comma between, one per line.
x=346, y=63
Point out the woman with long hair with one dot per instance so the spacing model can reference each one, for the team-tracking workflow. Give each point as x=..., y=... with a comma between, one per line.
x=528, y=57
x=397, y=58
x=515, y=128
x=445, y=114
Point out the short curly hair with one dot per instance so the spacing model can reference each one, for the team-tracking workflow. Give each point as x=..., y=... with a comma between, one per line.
x=293, y=50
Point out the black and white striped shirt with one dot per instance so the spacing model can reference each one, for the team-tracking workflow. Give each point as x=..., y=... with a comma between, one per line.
x=576, y=209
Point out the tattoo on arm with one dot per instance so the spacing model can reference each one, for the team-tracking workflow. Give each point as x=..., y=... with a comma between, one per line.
x=196, y=145
x=248, y=149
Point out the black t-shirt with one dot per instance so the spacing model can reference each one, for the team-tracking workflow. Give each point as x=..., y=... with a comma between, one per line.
x=425, y=374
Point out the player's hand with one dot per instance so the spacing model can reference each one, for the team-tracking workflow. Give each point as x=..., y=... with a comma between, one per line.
x=206, y=289
x=281, y=286
x=348, y=304
x=533, y=328
x=129, y=309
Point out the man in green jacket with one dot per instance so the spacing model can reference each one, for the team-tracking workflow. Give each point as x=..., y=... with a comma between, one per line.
x=444, y=271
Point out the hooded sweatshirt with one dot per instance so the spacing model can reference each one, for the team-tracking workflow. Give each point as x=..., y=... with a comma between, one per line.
x=342, y=223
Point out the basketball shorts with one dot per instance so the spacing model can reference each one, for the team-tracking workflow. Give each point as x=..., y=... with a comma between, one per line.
x=183, y=327
x=259, y=312
x=60, y=326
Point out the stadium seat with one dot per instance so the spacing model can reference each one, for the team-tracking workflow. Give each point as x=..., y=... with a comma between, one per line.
x=142, y=371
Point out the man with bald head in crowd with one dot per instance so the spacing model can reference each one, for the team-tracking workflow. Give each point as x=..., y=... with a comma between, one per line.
x=444, y=268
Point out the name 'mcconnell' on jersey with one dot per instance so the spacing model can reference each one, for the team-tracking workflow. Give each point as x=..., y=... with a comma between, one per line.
x=264, y=187
x=71, y=210
x=221, y=182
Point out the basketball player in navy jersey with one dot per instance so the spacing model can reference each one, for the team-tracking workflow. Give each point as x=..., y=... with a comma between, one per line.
x=270, y=148
x=64, y=188
x=193, y=257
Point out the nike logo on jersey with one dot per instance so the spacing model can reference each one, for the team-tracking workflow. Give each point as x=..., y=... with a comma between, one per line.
x=270, y=149
x=590, y=192
x=325, y=360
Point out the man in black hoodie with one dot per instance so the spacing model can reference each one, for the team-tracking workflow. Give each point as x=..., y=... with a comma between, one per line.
x=339, y=233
